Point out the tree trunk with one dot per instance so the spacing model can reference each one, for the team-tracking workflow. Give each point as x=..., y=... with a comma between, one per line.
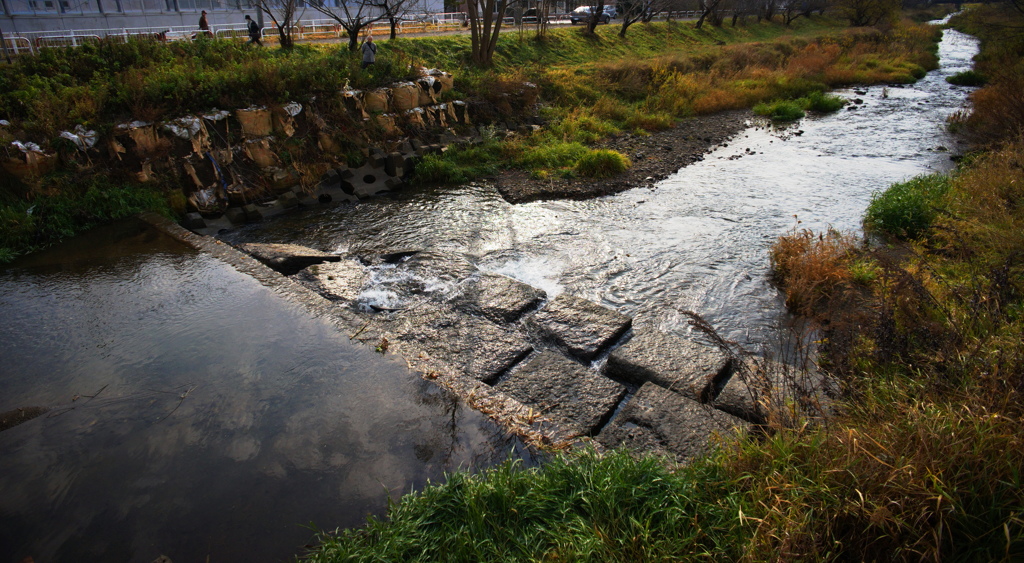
x=595, y=17
x=394, y=28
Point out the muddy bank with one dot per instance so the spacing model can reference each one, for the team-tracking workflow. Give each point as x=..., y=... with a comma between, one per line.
x=655, y=157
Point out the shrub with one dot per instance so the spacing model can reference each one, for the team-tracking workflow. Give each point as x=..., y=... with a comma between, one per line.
x=602, y=163
x=824, y=103
x=556, y=154
x=906, y=209
x=811, y=266
x=435, y=169
x=967, y=78
x=780, y=110
x=83, y=204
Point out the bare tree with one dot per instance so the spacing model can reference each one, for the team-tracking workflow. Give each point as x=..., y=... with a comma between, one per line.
x=394, y=10
x=867, y=12
x=767, y=10
x=355, y=15
x=485, y=18
x=595, y=16
x=633, y=11
x=741, y=9
x=709, y=11
x=282, y=13
x=791, y=10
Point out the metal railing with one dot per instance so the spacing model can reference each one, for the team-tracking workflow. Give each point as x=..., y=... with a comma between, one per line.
x=31, y=42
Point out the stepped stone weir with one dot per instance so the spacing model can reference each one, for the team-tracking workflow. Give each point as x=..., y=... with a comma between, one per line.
x=658, y=420
x=559, y=387
x=477, y=334
x=582, y=328
x=687, y=367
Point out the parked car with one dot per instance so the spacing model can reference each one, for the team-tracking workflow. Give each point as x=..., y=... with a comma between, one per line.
x=582, y=14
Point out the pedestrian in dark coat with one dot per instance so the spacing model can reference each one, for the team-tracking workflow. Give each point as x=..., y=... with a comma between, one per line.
x=254, y=31
x=204, y=25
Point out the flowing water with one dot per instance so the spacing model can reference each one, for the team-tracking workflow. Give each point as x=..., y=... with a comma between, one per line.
x=697, y=241
x=195, y=412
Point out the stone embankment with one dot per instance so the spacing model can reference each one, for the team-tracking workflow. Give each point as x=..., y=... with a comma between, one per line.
x=553, y=370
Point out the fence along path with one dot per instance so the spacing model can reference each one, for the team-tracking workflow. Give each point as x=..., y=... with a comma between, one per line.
x=303, y=30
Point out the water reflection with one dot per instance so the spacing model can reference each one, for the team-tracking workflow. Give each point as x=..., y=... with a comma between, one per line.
x=195, y=413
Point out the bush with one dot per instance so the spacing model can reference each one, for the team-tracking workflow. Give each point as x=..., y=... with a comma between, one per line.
x=577, y=507
x=906, y=210
x=25, y=226
x=435, y=169
x=967, y=78
x=602, y=163
x=824, y=103
x=780, y=110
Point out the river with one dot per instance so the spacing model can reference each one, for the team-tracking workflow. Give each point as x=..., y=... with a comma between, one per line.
x=195, y=413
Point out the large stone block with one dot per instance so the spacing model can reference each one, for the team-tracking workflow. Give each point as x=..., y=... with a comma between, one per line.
x=472, y=346
x=337, y=281
x=682, y=365
x=499, y=298
x=582, y=328
x=565, y=390
x=658, y=420
x=760, y=388
x=287, y=258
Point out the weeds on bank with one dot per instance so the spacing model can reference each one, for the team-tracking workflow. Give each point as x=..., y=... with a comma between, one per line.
x=906, y=209
x=997, y=111
x=26, y=226
x=577, y=507
x=931, y=363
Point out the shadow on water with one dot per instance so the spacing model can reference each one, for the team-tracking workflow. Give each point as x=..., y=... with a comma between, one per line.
x=193, y=412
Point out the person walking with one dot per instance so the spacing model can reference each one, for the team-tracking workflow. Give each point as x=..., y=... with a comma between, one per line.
x=254, y=31
x=369, y=52
x=204, y=26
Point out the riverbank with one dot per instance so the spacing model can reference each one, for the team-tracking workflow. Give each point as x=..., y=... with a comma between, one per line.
x=654, y=156
x=921, y=461
x=589, y=96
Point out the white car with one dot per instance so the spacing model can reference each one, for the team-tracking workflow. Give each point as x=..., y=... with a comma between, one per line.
x=582, y=14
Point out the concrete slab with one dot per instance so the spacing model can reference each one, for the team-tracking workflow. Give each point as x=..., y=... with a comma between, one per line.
x=337, y=281
x=499, y=298
x=658, y=420
x=564, y=390
x=680, y=364
x=287, y=259
x=761, y=388
x=582, y=328
x=471, y=346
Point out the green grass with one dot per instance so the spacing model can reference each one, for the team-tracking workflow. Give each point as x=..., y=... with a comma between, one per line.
x=824, y=103
x=780, y=110
x=577, y=507
x=28, y=226
x=967, y=78
x=602, y=163
x=792, y=110
x=905, y=210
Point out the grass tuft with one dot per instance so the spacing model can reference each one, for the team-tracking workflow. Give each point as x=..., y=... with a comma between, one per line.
x=602, y=163
x=906, y=209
